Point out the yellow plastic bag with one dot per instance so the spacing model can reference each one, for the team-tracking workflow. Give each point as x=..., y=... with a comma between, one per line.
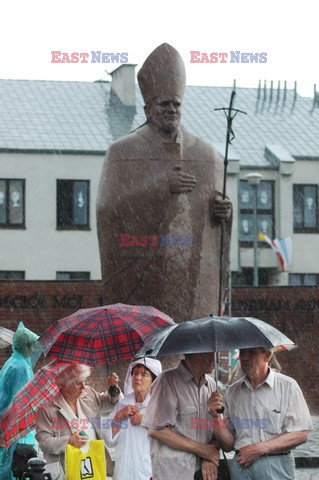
x=86, y=465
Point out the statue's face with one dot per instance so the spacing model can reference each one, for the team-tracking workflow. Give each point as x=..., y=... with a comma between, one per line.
x=165, y=113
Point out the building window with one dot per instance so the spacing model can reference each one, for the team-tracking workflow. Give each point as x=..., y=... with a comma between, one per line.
x=12, y=203
x=305, y=208
x=298, y=279
x=265, y=210
x=73, y=275
x=73, y=204
x=12, y=275
x=246, y=277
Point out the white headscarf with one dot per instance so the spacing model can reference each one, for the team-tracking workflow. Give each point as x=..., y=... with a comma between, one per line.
x=152, y=364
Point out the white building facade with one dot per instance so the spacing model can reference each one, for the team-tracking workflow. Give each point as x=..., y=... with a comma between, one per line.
x=53, y=137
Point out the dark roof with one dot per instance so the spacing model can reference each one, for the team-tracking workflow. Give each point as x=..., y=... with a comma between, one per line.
x=82, y=117
x=291, y=125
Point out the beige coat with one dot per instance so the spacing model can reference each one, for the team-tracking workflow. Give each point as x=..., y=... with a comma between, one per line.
x=53, y=433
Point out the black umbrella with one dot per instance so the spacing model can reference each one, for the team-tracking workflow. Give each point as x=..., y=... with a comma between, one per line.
x=213, y=334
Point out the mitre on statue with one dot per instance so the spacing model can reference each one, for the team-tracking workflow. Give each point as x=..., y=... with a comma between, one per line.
x=162, y=73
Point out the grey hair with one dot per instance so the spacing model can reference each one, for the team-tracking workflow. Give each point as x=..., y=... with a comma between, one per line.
x=267, y=349
x=72, y=373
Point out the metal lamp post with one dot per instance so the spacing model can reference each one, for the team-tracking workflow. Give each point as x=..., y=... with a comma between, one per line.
x=254, y=180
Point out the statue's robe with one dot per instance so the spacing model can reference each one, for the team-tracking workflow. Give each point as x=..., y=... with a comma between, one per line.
x=134, y=199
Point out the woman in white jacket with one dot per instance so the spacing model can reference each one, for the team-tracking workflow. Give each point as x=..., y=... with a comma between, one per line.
x=132, y=456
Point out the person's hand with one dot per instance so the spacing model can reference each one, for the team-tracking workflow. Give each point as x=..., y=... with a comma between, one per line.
x=209, y=452
x=112, y=384
x=78, y=440
x=180, y=182
x=220, y=208
x=247, y=455
x=209, y=470
x=215, y=402
x=125, y=412
x=112, y=379
x=136, y=419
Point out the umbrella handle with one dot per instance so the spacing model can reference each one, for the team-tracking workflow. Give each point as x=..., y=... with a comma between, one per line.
x=220, y=410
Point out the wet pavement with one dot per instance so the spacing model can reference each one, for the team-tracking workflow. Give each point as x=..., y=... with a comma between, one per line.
x=309, y=449
x=307, y=474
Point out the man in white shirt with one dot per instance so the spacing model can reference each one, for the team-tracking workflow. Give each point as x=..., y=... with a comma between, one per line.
x=174, y=419
x=265, y=416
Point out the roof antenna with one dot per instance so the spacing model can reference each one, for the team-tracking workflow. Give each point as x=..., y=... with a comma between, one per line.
x=278, y=92
x=285, y=92
x=258, y=93
x=271, y=90
x=265, y=91
x=295, y=97
x=258, y=96
x=315, y=97
x=295, y=92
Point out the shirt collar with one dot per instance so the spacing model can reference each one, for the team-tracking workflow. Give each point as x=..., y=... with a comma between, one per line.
x=187, y=375
x=270, y=379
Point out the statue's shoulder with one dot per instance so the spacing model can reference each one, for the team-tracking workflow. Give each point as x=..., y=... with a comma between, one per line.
x=129, y=145
x=195, y=145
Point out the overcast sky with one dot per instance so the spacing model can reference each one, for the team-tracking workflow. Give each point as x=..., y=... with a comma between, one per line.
x=287, y=33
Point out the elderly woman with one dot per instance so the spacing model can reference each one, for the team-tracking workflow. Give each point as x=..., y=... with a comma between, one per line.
x=76, y=408
x=132, y=457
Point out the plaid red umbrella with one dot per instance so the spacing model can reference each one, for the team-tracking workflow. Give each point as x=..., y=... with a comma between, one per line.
x=20, y=417
x=100, y=335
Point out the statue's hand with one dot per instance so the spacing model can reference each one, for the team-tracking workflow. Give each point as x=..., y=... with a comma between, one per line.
x=220, y=208
x=180, y=182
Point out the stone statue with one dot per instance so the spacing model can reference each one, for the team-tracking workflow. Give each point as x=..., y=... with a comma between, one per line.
x=159, y=205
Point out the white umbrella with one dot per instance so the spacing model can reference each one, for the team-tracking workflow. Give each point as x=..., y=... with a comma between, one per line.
x=6, y=337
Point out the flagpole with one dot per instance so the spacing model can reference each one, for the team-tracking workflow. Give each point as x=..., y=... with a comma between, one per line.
x=254, y=179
